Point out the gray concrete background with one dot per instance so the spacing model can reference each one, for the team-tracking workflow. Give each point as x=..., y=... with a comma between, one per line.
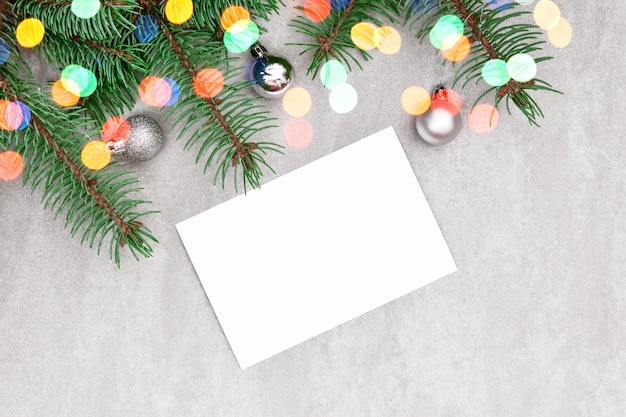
x=532, y=324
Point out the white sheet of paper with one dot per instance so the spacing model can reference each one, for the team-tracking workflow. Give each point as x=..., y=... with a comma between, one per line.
x=316, y=247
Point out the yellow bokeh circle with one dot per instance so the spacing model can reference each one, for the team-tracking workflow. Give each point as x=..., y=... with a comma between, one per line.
x=95, y=155
x=459, y=51
x=365, y=36
x=415, y=100
x=297, y=102
x=561, y=35
x=390, y=40
x=29, y=33
x=62, y=96
x=547, y=14
x=232, y=15
x=178, y=11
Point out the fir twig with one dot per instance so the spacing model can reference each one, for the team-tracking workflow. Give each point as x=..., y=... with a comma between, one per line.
x=330, y=39
x=60, y=187
x=493, y=34
x=95, y=203
x=231, y=118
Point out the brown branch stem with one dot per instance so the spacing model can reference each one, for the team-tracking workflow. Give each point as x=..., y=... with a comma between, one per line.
x=110, y=51
x=326, y=42
x=59, y=152
x=242, y=150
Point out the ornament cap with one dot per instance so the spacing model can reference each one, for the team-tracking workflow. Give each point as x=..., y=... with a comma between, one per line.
x=440, y=93
x=258, y=51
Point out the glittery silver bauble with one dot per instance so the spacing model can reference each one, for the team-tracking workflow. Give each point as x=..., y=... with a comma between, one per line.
x=440, y=124
x=144, y=141
x=271, y=75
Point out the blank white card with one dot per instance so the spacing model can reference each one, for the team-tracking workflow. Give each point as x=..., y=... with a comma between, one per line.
x=316, y=247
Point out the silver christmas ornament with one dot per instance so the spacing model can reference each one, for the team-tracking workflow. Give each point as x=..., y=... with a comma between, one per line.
x=441, y=123
x=144, y=140
x=271, y=75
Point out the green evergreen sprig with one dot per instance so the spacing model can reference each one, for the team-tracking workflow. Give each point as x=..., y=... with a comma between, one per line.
x=97, y=205
x=331, y=39
x=493, y=34
x=223, y=125
x=103, y=44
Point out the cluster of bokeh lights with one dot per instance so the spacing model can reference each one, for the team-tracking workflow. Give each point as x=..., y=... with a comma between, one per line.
x=114, y=134
x=298, y=130
x=364, y=35
x=240, y=32
x=14, y=115
x=547, y=15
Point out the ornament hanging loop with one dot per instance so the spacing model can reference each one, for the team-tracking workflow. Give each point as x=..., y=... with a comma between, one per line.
x=258, y=51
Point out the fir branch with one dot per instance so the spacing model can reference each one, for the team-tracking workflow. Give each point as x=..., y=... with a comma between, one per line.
x=331, y=37
x=69, y=187
x=227, y=132
x=492, y=36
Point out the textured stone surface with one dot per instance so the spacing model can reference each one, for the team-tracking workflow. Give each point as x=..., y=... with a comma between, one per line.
x=532, y=324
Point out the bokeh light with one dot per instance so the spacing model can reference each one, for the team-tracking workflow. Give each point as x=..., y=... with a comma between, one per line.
x=115, y=132
x=29, y=32
x=10, y=115
x=390, y=40
x=333, y=73
x=155, y=91
x=146, y=28
x=5, y=51
x=499, y=4
x=495, y=73
x=79, y=80
x=339, y=4
x=11, y=165
x=26, y=115
x=297, y=102
x=232, y=15
x=85, y=9
x=561, y=35
x=95, y=155
x=174, y=91
x=521, y=67
x=423, y=6
x=454, y=98
x=241, y=36
x=208, y=83
x=547, y=14
x=415, y=100
x=459, y=51
x=483, y=118
x=446, y=32
x=112, y=128
x=343, y=98
x=317, y=10
x=365, y=36
x=298, y=132
x=178, y=11
x=63, y=97
x=13, y=115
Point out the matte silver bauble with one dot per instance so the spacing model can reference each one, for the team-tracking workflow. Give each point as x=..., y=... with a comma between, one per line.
x=144, y=141
x=271, y=75
x=440, y=124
